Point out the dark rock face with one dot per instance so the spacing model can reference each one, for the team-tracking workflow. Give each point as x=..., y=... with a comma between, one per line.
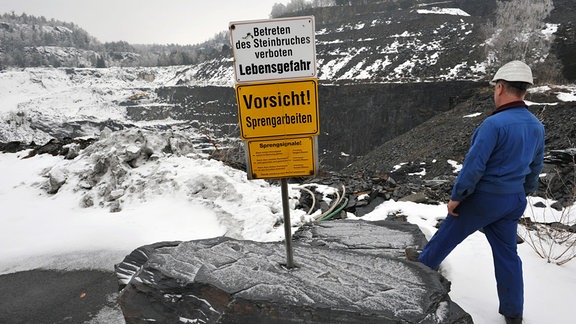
x=355, y=119
x=565, y=47
x=346, y=272
x=559, y=180
x=565, y=40
x=68, y=147
x=446, y=136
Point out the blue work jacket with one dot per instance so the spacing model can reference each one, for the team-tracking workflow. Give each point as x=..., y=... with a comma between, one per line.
x=506, y=155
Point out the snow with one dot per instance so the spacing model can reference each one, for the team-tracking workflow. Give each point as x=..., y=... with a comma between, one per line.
x=550, y=29
x=57, y=95
x=470, y=269
x=40, y=230
x=564, y=93
x=457, y=166
x=444, y=11
x=567, y=96
x=424, y=49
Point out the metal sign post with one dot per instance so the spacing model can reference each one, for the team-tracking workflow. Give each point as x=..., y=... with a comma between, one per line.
x=276, y=92
x=287, y=225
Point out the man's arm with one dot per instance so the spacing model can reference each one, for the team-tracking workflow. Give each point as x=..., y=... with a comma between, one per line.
x=531, y=181
x=483, y=143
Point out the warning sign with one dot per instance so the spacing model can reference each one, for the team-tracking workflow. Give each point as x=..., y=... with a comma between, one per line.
x=282, y=158
x=274, y=49
x=278, y=109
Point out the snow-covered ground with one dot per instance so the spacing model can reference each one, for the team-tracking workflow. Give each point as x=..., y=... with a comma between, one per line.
x=48, y=97
x=190, y=197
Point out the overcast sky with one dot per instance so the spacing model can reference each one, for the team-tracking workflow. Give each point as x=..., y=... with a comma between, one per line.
x=146, y=21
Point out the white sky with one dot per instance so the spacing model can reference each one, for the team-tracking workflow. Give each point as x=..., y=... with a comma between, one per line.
x=146, y=21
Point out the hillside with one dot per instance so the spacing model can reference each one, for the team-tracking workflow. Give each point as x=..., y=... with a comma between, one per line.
x=376, y=41
x=425, y=159
x=385, y=67
x=29, y=41
x=447, y=135
x=357, y=41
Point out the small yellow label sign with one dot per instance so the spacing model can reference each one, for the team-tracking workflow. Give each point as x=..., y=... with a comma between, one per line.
x=278, y=109
x=282, y=158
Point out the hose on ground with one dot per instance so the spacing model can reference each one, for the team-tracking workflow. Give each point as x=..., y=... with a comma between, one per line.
x=337, y=210
x=313, y=198
x=337, y=202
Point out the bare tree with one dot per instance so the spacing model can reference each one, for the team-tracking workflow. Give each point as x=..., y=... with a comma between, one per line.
x=279, y=9
x=517, y=32
x=297, y=5
x=323, y=3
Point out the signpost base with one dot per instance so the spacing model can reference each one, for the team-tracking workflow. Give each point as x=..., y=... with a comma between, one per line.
x=287, y=225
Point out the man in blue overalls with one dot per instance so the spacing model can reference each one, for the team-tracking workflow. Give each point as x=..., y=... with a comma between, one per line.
x=501, y=167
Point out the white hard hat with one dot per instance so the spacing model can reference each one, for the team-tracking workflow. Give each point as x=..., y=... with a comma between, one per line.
x=514, y=71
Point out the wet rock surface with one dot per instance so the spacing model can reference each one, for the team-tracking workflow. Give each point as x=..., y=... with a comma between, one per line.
x=345, y=272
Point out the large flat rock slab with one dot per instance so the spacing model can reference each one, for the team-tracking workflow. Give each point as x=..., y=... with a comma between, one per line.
x=377, y=237
x=337, y=279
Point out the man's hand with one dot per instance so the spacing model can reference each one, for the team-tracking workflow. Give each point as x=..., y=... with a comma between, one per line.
x=452, y=204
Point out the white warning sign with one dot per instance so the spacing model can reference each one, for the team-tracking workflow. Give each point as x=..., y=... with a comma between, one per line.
x=273, y=49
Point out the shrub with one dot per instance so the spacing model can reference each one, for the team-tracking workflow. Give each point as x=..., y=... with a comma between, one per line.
x=551, y=229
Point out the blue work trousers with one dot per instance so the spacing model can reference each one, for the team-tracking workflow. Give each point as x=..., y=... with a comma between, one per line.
x=498, y=215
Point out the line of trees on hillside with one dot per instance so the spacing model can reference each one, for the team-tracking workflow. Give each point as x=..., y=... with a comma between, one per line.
x=19, y=34
x=30, y=41
x=279, y=9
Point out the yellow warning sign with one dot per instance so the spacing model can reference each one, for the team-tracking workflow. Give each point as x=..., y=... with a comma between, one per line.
x=278, y=109
x=282, y=158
